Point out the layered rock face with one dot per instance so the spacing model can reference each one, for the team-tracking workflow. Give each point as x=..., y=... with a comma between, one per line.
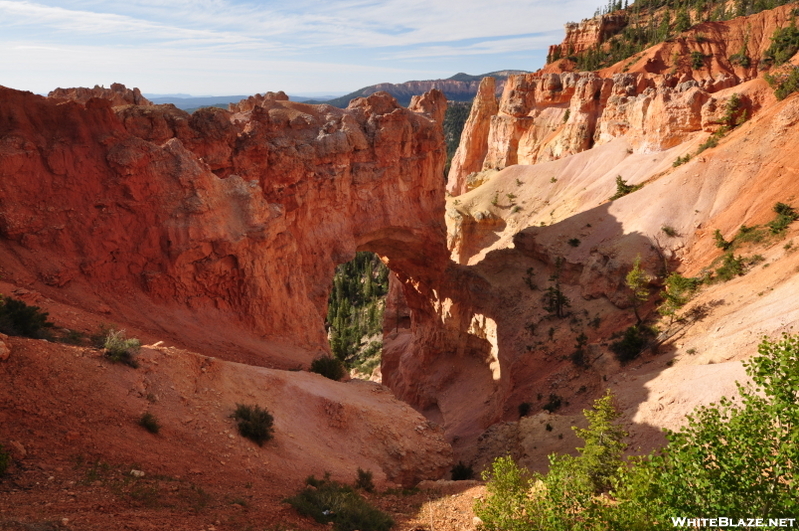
x=474, y=139
x=655, y=100
x=544, y=117
x=588, y=33
x=235, y=219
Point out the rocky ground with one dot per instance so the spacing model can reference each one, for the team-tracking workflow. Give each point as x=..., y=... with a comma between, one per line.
x=80, y=460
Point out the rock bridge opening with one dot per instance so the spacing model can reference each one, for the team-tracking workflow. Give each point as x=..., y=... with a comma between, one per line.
x=355, y=310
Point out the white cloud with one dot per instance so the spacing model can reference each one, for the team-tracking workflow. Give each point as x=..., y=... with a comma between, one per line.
x=481, y=48
x=331, y=45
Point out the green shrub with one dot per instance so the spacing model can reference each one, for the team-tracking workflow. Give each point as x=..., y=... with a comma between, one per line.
x=697, y=60
x=730, y=268
x=736, y=457
x=19, y=319
x=328, y=501
x=784, y=83
x=150, y=423
x=750, y=235
x=329, y=367
x=721, y=243
x=461, y=472
x=622, y=188
x=785, y=216
x=741, y=59
x=562, y=499
x=121, y=350
x=364, y=480
x=5, y=460
x=784, y=45
x=711, y=142
x=254, y=423
x=524, y=409
x=678, y=290
x=631, y=344
x=679, y=161
x=669, y=231
x=553, y=404
x=505, y=507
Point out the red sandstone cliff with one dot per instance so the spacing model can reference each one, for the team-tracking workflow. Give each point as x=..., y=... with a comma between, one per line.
x=588, y=33
x=231, y=221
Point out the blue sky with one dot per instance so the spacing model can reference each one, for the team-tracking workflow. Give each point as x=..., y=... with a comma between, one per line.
x=221, y=47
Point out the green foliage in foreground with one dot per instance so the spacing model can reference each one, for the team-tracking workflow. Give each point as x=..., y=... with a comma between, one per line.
x=326, y=501
x=737, y=459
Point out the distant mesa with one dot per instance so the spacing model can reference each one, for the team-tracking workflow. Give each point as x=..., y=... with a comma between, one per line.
x=460, y=87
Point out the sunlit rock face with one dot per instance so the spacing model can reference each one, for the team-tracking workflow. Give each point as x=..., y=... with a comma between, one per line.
x=234, y=218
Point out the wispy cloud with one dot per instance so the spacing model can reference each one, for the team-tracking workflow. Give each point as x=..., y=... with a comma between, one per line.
x=488, y=47
x=389, y=38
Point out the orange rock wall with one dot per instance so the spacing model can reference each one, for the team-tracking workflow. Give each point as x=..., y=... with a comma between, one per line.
x=233, y=218
x=655, y=99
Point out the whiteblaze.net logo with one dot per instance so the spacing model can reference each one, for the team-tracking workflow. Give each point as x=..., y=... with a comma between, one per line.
x=732, y=522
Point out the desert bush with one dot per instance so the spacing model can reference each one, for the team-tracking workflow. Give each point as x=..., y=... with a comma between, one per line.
x=150, y=423
x=731, y=267
x=20, y=319
x=721, y=243
x=328, y=367
x=631, y=344
x=785, y=216
x=785, y=82
x=741, y=59
x=328, y=501
x=553, y=404
x=747, y=234
x=574, y=242
x=5, y=460
x=254, y=423
x=462, y=472
x=784, y=45
x=711, y=142
x=524, y=409
x=622, y=188
x=364, y=481
x=677, y=291
x=121, y=350
x=679, y=161
x=669, y=231
x=697, y=60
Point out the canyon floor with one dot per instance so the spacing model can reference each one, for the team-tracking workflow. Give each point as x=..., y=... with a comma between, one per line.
x=71, y=418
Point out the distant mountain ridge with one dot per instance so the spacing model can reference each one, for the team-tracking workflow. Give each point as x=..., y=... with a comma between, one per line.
x=190, y=103
x=460, y=87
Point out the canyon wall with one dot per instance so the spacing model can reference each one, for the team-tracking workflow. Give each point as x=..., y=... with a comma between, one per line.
x=232, y=219
x=655, y=99
x=587, y=34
